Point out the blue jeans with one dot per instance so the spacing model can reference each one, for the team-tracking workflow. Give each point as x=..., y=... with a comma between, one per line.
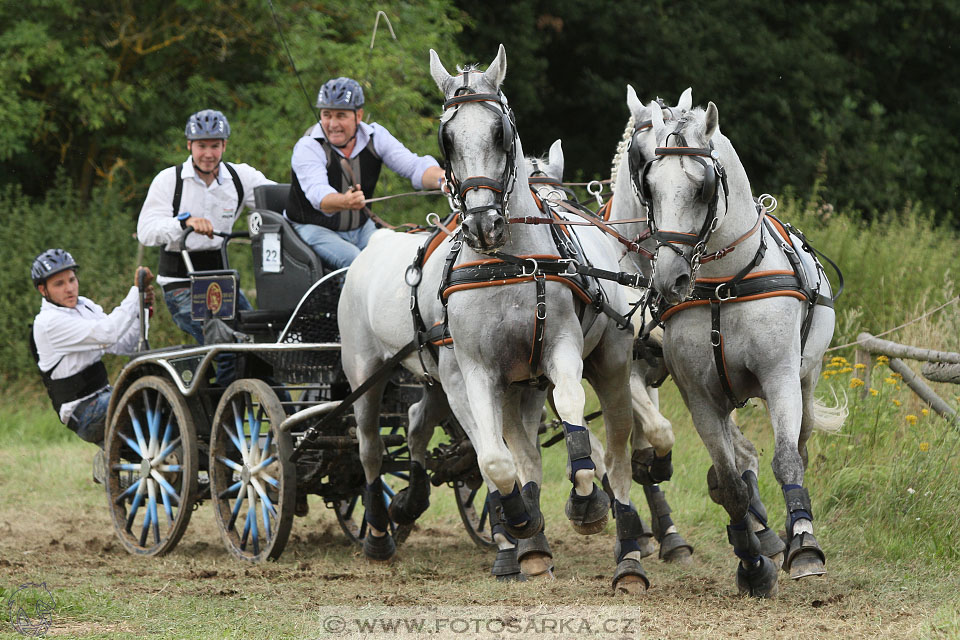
x=178, y=303
x=337, y=249
x=89, y=418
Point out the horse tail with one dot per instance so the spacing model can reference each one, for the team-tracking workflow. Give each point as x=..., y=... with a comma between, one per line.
x=829, y=418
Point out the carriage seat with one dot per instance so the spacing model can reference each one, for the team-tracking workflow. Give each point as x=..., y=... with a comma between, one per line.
x=279, y=287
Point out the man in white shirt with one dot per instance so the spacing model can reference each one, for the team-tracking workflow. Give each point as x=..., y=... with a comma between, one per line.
x=206, y=194
x=69, y=337
x=335, y=167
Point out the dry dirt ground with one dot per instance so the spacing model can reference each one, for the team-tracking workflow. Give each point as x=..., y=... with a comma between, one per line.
x=60, y=534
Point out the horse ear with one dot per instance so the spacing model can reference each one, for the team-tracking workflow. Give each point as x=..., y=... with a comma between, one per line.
x=439, y=73
x=711, y=122
x=656, y=117
x=555, y=158
x=686, y=100
x=497, y=70
x=633, y=102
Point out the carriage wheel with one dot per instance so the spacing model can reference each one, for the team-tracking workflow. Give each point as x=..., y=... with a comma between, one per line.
x=396, y=462
x=475, y=513
x=151, y=451
x=252, y=481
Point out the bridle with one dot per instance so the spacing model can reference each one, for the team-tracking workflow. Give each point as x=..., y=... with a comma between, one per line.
x=708, y=194
x=502, y=187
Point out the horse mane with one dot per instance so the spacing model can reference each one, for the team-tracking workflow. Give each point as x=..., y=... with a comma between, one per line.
x=622, y=147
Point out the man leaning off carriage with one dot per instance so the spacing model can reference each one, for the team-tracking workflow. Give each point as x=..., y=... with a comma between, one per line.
x=335, y=167
x=68, y=339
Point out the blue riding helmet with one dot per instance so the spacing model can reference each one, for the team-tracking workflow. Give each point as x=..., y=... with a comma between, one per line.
x=207, y=125
x=51, y=262
x=340, y=93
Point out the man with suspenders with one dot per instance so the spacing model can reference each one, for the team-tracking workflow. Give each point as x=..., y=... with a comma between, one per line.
x=68, y=339
x=335, y=166
x=206, y=194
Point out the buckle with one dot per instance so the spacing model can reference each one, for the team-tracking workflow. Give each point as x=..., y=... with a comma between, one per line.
x=719, y=296
x=571, y=268
x=533, y=272
x=542, y=310
x=715, y=337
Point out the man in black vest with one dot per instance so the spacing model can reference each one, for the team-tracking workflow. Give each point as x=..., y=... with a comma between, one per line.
x=335, y=167
x=69, y=337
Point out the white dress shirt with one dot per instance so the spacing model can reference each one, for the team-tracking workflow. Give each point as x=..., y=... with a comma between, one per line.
x=77, y=338
x=158, y=224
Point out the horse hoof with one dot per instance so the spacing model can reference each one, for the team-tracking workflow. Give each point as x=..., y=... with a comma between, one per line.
x=537, y=565
x=590, y=528
x=759, y=581
x=804, y=557
x=587, y=514
x=506, y=568
x=527, y=530
x=675, y=550
x=379, y=548
x=403, y=509
x=630, y=578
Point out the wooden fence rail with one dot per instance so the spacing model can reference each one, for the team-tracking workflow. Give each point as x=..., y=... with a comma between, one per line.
x=945, y=361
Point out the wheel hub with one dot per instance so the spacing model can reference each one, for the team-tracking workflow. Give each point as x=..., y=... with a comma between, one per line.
x=245, y=474
x=145, y=468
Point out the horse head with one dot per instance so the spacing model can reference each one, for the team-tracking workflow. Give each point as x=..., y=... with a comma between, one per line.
x=681, y=186
x=479, y=145
x=545, y=174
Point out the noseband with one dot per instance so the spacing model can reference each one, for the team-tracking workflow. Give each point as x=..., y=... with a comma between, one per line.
x=502, y=187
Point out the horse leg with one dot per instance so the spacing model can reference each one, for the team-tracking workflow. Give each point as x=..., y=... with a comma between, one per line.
x=378, y=544
x=483, y=402
x=748, y=463
x=652, y=434
x=411, y=501
x=587, y=505
x=756, y=574
x=804, y=557
x=522, y=411
x=608, y=370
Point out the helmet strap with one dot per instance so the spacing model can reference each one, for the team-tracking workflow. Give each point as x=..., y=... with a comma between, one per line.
x=206, y=173
x=350, y=139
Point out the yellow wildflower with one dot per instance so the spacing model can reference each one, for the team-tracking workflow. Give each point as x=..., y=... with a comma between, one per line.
x=924, y=446
x=874, y=392
x=834, y=365
x=855, y=382
x=889, y=380
x=912, y=419
x=896, y=376
x=896, y=402
x=827, y=373
x=882, y=359
x=838, y=360
x=925, y=412
x=860, y=366
x=846, y=370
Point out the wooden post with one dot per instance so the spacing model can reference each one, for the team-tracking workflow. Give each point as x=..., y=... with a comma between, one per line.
x=862, y=356
x=941, y=372
x=920, y=387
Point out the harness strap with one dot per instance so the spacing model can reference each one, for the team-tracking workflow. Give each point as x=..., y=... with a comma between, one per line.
x=539, y=324
x=716, y=339
x=348, y=170
x=592, y=218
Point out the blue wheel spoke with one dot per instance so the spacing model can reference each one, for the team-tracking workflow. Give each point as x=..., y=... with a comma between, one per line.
x=137, y=429
x=263, y=464
x=169, y=449
x=125, y=467
x=145, y=529
x=241, y=441
x=165, y=496
x=230, y=463
x=246, y=531
x=165, y=488
x=231, y=489
x=273, y=481
x=154, y=520
x=241, y=495
x=129, y=490
x=388, y=492
x=403, y=475
x=133, y=445
x=264, y=498
x=265, y=515
x=268, y=441
x=166, y=432
x=153, y=419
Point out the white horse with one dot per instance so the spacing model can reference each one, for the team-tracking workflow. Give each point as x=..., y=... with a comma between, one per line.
x=651, y=464
x=748, y=313
x=502, y=334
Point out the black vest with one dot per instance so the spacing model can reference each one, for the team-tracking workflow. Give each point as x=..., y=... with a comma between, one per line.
x=79, y=385
x=366, y=169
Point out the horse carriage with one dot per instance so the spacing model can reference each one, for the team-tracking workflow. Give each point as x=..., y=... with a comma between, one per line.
x=279, y=432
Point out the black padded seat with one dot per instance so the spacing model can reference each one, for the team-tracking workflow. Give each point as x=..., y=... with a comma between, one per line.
x=299, y=268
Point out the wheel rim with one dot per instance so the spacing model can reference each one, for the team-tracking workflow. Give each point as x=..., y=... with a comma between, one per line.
x=474, y=511
x=251, y=483
x=151, y=468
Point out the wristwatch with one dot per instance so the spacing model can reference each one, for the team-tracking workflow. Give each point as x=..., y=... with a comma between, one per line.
x=183, y=219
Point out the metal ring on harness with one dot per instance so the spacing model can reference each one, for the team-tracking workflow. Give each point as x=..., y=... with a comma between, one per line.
x=720, y=296
x=572, y=264
x=765, y=201
x=536, y=267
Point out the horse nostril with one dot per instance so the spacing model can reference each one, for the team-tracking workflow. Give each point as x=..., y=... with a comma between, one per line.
x=497, y=226
x=681, y=284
